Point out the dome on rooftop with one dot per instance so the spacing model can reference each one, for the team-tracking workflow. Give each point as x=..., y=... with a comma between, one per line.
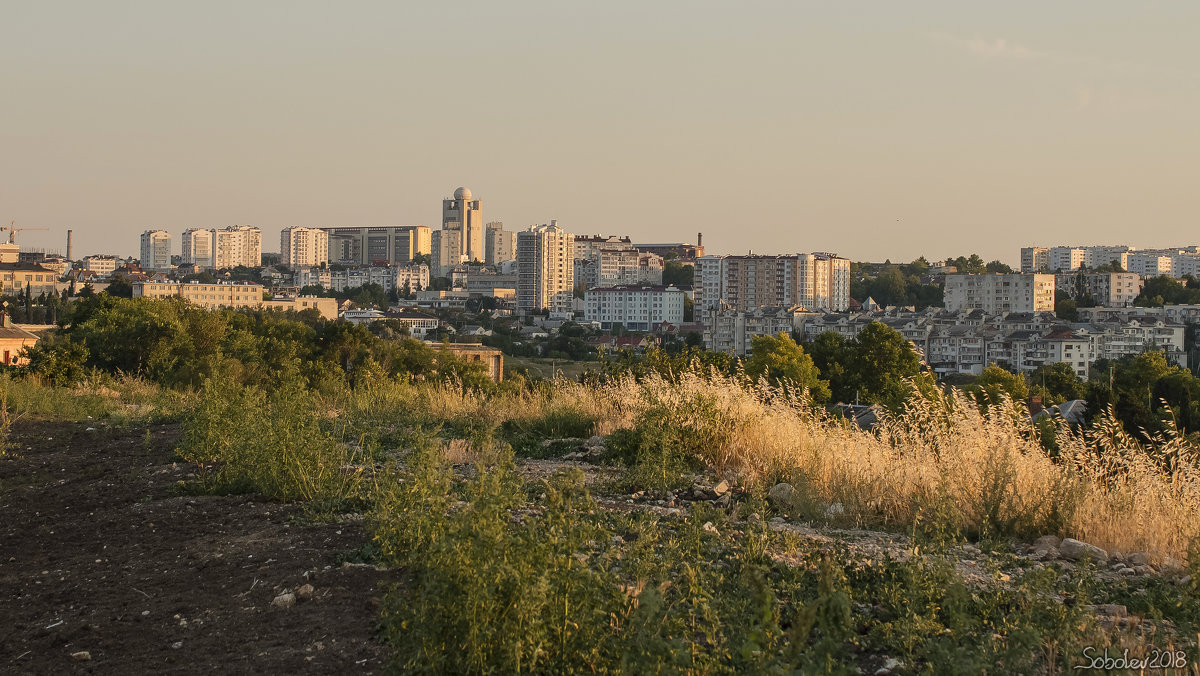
x=462, y=194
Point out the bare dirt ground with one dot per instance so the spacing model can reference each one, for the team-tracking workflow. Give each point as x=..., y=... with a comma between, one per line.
x=99, y=553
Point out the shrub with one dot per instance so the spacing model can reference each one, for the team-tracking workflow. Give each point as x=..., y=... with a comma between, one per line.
x=274, y=444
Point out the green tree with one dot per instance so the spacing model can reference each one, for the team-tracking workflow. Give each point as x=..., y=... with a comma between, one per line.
x=679, y=274
x=782, y=361
x=882, y=360
x=1066, y=309
x=995, y=384
x=119, y=287
x=1057, y=383
x=831, y=352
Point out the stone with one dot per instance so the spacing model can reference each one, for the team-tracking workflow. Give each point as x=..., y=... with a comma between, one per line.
x=1138, y=559
x=305, y=592
x=781, y=495
x=721, y=488
x=81, y=656
x=285, y=600
x=723, y=501
x=1046, y=553
x=710, y=528
x=1127, y=572
x=1074, y=550
x=1183, y=580
x=836, y=509
x=595, y=441
x=754, y=518
x=1112, y=610
x=889, y=666
x=1143, y=570
x=1052, y=541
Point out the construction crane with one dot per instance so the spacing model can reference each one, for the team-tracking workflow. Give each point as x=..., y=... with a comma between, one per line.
x=13, y=230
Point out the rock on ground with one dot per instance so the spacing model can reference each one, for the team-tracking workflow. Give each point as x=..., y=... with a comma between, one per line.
x=1074, y=550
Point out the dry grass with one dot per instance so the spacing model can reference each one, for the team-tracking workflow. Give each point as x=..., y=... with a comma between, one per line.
x=984, y=470
x=1104, y=487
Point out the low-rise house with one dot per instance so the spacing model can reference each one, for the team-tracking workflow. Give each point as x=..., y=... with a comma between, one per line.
x=14, y=339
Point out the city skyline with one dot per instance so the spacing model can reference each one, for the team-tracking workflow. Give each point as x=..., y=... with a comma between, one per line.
x=931, y=129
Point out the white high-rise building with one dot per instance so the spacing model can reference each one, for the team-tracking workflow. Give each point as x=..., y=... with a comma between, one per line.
x=462, y=214
x=198, y=247
x=156, y=250
x=237, y=245
x=300, y=246
x=500, y=245
x=997, y=293
x=545, y=268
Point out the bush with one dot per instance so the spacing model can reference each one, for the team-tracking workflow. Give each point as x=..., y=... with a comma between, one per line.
x=248, y=440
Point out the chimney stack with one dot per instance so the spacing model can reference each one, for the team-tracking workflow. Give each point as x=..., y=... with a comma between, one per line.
x=699, y=240
x=69, y=258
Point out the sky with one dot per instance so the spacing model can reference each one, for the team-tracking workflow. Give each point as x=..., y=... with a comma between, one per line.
x=877, y=130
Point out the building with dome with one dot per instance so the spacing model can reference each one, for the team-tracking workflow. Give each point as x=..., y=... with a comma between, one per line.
x=461, y=237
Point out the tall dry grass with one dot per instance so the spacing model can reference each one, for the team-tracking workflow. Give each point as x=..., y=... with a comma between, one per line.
x=988, y=465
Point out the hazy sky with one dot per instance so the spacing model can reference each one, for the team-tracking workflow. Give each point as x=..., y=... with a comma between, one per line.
x=877, y=130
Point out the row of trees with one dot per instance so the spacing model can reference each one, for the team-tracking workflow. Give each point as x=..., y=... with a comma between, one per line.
x=176, y=344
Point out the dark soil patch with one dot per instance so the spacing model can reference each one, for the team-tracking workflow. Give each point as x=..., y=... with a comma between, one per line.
x=100, y=553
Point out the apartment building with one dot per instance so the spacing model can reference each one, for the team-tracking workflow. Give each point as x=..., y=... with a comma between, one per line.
x=156, y=250
x=322, y=277
x=326, y=307
x=499, y=244
x=198, y=248
x=637, y=308
x=415, y=277
x=999, y=293
x=1110, y=289
x=1035, y=259
x=816, y=281
x=1066, y=258
x=446, y=252
x=237, y=245
x=617, y=267
x=729, y=330
x=385, y=244
x=545, y=268
x=102, y=265
x=211, y=296
x=16, y=277
x=1150, y=264
x=303, y=246
x=1175, y=262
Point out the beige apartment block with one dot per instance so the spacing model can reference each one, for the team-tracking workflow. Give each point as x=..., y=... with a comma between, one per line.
x=237, y=245
x=223, y=294
x=299, y=246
